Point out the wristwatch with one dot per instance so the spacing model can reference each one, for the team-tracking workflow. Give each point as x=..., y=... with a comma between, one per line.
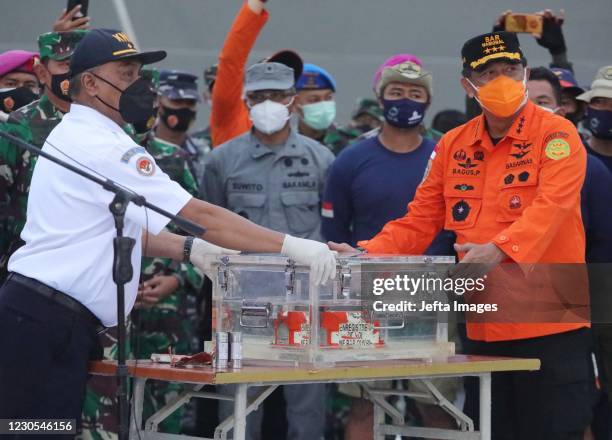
x=187, y=248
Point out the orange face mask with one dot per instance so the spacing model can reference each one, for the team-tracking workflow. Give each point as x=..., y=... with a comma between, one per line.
x=502, y=96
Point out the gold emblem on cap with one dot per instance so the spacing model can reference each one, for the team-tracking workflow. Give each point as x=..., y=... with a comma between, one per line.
x=408, y=67
x=492, y=40
x=123, y=38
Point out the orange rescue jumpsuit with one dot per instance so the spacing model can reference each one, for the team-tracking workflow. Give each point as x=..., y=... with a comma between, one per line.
x=523, y=194
x=229, y=115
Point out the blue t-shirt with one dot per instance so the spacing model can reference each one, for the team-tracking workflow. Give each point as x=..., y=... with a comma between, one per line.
x=595, y=198
x=607, y=160
x=369, y=185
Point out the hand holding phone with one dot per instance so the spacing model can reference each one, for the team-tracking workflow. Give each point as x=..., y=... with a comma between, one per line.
x=73, y=17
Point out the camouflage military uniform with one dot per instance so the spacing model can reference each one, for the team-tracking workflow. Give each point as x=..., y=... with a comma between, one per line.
x=32, y=124
x=428, y=133
x=171, y=322
x=197, y=146
x=336, y=138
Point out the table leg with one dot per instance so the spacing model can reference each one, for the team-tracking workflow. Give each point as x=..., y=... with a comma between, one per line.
x=137, y=405
x=485, y=406
x=240, y=403
x=379, y=421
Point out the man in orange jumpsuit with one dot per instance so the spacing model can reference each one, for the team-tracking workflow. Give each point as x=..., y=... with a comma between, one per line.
x=229, y=115
x=508, y=184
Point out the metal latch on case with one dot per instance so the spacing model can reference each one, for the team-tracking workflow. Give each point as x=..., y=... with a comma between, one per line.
x=345, y=281
x=289, y=278
x=222, y=273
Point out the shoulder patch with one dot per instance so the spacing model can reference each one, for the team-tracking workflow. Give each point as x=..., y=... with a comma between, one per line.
x=557, y=149
x=145, y=166
x=131, y=153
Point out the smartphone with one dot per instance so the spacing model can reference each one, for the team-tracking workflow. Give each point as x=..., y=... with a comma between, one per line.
x=524, y=23
x=73, y=3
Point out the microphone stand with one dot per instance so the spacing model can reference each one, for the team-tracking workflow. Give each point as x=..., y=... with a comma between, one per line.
x=122, y=263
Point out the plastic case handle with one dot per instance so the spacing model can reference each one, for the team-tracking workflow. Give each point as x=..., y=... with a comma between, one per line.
x=255, y=310
x=388, y=327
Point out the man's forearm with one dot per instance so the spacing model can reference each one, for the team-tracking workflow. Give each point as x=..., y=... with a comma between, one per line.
x=163, y=245
x=229, y=230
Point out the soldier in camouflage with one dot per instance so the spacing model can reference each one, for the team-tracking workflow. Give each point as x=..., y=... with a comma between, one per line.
x=32, y=123
x=367, y=116
x=210, y=74
x=317, y=109
x=166, y=316
x=139, y=131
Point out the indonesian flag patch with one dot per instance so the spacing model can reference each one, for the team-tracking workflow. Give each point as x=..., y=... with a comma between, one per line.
x=327, y=210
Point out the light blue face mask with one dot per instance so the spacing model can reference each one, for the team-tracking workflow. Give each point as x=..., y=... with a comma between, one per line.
x=320, y=115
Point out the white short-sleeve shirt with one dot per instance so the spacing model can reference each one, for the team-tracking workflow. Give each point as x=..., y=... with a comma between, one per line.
x=69, y=230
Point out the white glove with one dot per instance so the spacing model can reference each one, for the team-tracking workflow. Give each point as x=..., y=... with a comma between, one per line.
x=318, y=256
x=203, y=253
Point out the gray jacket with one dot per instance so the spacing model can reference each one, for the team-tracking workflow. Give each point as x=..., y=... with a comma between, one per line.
x=277, y=187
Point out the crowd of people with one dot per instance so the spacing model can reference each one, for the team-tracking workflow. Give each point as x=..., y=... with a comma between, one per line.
x=275, y=154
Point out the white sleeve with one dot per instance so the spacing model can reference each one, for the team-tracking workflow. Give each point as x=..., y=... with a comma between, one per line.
x=140, y=173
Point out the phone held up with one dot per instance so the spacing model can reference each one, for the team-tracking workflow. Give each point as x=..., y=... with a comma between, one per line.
x=74, y=3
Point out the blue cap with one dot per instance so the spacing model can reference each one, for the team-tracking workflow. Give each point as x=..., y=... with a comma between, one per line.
x=178, y=85
x=567, y=80
x=101, y=46
x=315, y=78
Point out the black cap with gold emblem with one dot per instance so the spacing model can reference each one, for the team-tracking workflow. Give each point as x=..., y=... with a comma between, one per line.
x=494, y=46
x=101, y=46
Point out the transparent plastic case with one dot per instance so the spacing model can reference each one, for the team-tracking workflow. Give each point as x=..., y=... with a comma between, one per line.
x=284, y=318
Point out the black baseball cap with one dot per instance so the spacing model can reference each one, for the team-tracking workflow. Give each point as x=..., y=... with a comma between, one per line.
x=477, y=52
x=290, y=59
x=101, y=46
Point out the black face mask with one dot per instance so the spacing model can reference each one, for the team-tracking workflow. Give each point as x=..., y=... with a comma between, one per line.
x=136, y=101
x=141, y=127
x=177, y=119
x=60, y=86
x=13, y=99
x=575, y=117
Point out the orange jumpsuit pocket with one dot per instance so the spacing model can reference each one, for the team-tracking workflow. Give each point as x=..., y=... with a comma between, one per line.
x=512, y=201
x=463, y=199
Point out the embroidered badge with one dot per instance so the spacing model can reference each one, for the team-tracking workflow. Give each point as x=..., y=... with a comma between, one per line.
x=515, y=202
x=557, y=149
x=145, y=166
x=461, y=210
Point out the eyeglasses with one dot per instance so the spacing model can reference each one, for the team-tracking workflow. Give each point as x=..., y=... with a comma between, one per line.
x=273, y=95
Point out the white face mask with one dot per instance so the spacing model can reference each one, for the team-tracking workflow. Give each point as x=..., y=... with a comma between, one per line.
x=269, y=116
x=550, y=110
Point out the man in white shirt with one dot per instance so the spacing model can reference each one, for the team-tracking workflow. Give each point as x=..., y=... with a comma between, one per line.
x=60, y=291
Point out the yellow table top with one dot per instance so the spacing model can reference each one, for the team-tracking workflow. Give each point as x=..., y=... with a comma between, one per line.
x=458, y=365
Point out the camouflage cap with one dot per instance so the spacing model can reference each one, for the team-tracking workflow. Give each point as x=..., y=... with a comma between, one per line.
x=59, y=45
x=368, y=106
x=151, y=74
